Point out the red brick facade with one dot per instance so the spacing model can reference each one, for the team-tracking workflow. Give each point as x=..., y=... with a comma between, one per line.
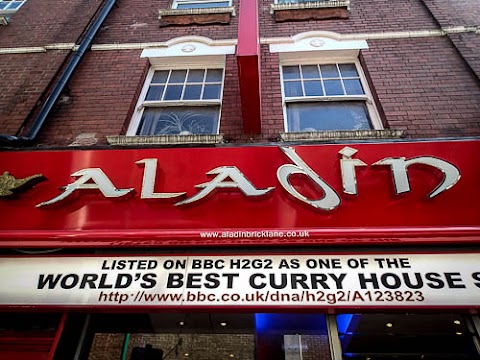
x=426, y=82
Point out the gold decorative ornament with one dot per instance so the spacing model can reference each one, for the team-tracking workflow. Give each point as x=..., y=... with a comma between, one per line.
x=9, y=185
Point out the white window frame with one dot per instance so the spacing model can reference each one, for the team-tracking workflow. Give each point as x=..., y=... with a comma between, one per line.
x=188, y=52
x=177, y=2
x=142, y=104
x=6, y=12
x=311, y=59
x=7, y=8
x=297, y=2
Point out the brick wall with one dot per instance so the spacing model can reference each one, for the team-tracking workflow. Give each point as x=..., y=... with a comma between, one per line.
x=102, y=96
x=137, y=21
x=424, y=85
x=454, y=13
x=41, y=22
x=25, y=77
x=317, y=347
x=366, y=16
x=197, y=346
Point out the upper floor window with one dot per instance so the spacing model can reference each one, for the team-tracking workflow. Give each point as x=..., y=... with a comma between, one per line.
x=324, y=87
x=181, y=101
x=182, y=92
x=10, y=6
x=327, y=96
x=298, y=1
x=200, y=4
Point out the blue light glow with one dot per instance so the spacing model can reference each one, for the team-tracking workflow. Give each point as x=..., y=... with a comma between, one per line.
x=291, y=323
x=343, y=322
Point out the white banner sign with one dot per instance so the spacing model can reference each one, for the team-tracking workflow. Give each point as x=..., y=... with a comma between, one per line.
x=378, y=280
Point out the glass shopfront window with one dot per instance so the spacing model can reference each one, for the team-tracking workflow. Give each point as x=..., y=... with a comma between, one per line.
x=242, y=336
x=407, y=336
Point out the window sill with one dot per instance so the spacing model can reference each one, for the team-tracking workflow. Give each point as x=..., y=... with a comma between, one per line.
x=342, y=135
x=220, y=15
x=315, y=10
x=164, y=139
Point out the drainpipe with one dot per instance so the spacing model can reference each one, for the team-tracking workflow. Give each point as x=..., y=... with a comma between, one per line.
x=63, y=79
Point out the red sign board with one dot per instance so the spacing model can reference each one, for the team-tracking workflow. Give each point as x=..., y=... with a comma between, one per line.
x=311, y=194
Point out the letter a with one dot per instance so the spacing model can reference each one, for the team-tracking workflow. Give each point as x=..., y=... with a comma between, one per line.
x=239, y=181
x=100, y=182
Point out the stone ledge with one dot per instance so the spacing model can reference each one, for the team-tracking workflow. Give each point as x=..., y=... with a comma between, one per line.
x=220, y=15
x=315, y=10
x=120, y=140
x=342, y=135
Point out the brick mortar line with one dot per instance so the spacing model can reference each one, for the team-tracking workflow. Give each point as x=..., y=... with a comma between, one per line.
x=140, y=46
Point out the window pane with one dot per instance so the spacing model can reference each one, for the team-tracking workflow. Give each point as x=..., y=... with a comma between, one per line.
x=353, y=87
x=293, y=88
x=347, y=115
x=348, y=70
x=15, y=5
x=154, y=93
x=291, y=72
x=211, y=92
x=313, y=88
x=160, y=77
x=192, y=92
x=310, y=72
x=214, y=75
x=329, y=71
x=333, y=87
x=195, y=76
x=412, y=336
x=296, y=1
x=173, y=92
x=177, y=76
x=201, y=5
x=180, y=120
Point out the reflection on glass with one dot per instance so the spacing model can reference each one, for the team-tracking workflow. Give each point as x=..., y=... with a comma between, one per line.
x=291, y=72
x=297, y=1
x=329, y=71
x=211, y=92
x=180, y=120
x=333, y=87
x=195, y=76
x=177, y=76
x=192, y=92
x=203, y=5
x=173, y=92
x=292, y=337
x=310, y=72
x=293, y=88
x=305, y=117
x=313, y=88
x=214, y=75
x=353, y=87
x=405, y=337
x=154, y=93
x=160, y=77
x=348, y=70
